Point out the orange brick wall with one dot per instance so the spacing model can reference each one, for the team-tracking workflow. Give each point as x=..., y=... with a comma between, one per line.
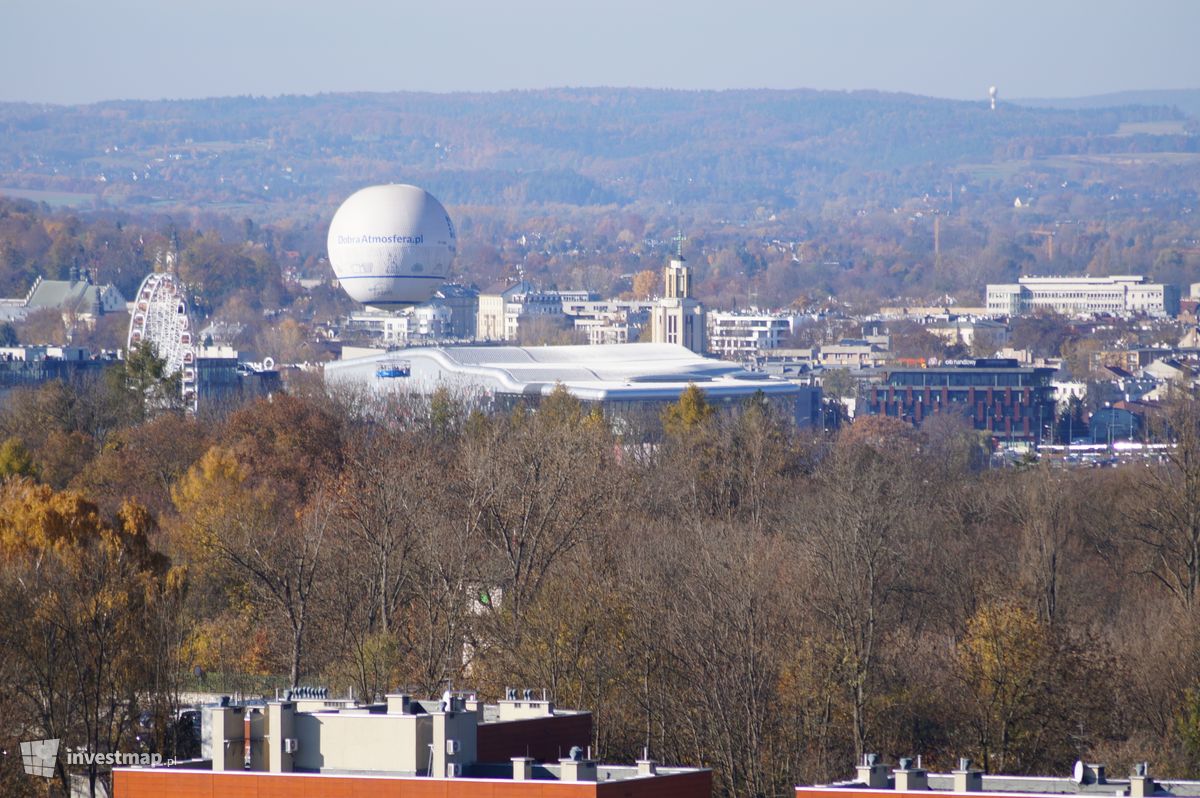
x=174, y=784
x=180, y=784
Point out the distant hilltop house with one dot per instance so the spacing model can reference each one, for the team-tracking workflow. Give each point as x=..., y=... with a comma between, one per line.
x=79, y=300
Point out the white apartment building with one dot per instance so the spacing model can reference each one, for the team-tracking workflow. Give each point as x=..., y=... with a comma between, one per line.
x=1118, y=295
x=427, y=322
x=738, y=335
x=608, y=321
x=852, y=354
x=502, y=309
x=968, y=331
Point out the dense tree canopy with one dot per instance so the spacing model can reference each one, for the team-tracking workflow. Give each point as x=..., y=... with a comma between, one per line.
x=733, y=593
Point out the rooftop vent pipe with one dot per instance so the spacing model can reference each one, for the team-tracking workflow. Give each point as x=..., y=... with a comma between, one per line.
x=872, y=773
x=966, y=779
x=910, y=778
x=1140, y=783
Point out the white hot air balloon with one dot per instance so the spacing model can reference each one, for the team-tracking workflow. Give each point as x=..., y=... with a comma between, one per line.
x=391, y=245
x=992, y=96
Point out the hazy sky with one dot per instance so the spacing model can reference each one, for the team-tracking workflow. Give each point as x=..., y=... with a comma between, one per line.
x=66, y=52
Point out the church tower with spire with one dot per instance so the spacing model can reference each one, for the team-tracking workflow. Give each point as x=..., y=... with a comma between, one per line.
x=678, y=318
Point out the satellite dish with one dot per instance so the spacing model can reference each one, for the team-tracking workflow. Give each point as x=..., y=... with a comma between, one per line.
x=1077, y=774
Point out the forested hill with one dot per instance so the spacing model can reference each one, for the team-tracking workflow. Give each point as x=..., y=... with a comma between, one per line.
x=725, y=149
x=1186, y=100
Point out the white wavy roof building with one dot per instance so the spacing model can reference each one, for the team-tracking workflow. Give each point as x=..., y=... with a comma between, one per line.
x=639, y=372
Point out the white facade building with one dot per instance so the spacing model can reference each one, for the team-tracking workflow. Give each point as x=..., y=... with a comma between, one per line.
x=428, y=322
x=1118, y=295
x=968, y=331
x=736, y=335
x=852, y=354
x=502, y=309
x=625, y=375
x=608, y=321
x=1065, y=391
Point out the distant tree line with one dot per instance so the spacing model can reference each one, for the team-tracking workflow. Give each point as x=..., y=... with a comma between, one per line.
x=245, y=275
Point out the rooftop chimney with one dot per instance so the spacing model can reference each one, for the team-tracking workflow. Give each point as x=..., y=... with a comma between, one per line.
x=522, y=768
x=576, y=768
x=398, y=703
x=966, y=779
x=873, y=773
x=1140, y=783
x=909, y=778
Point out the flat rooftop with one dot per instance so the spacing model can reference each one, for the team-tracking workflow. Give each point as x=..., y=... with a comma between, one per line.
x=1088, y=780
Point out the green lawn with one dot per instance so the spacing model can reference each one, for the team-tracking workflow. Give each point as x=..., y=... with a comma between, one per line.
x=1164, y=128
x=55, y=199
x=1007, y=169
x=1124, y=159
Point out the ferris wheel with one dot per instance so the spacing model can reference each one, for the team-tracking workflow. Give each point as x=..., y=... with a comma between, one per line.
x=160, y=316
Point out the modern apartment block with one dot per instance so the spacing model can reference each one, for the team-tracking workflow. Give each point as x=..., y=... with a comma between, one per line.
x=1118, y=295
x=609, y=321
x=736, y=335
